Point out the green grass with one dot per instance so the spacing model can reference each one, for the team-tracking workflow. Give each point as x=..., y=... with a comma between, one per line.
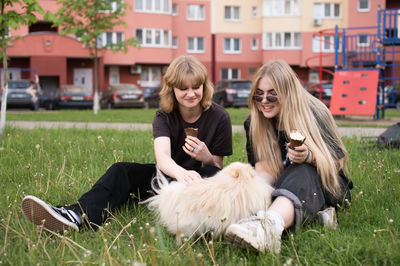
x=392, y=113
x=59, y=165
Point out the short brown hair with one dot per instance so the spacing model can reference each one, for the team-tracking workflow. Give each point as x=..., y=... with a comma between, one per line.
x=182, y=71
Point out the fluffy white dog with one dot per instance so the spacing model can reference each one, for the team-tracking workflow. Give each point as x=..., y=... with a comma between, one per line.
x=210, y=204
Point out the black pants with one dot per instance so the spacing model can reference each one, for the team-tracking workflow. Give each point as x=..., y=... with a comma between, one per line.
x=121, y=183
x=302, y=185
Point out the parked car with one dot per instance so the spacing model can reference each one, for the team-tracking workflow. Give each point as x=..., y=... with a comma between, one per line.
x=392, y=96
x=122, y=95
x=23, y=93
x=152, y=97
x=74, y=96
x=48, y=99
x=232, y=93
x=322, y=91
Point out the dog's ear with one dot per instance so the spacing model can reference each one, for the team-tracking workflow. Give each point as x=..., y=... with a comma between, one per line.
x=234, y=170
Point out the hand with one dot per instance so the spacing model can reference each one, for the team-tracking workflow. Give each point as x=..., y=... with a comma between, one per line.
x=298, y=154
x=197, y=149
x=187, y=176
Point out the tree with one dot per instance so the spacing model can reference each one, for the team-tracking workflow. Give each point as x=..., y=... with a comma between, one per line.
x=13, y=17
x=88, y=20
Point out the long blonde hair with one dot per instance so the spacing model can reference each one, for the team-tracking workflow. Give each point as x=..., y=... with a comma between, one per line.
x=182, y=71
x=302, y=111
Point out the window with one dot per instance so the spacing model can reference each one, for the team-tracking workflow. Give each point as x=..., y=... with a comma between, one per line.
x=363, y=5
x=230, y=73
x=175, y=9
x=232, y=13
x=174, y=42
x=109, y=38
x=327, y=10
x=153, y=37
x=273, y=8
x=253, y=70
x=281, y=40
x=254, y=12
x=254, y=44
x=113, y=6
x=363, y=40
x=232, y=45
x=150, y=76
x=153, y=6
x=327, y=43
x=195, y=12
x=195, y=45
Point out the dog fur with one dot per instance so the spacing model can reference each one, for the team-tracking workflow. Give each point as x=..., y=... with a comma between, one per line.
x=209, y=204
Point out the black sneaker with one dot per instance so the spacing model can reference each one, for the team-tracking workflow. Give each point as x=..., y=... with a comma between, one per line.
x=52, y=218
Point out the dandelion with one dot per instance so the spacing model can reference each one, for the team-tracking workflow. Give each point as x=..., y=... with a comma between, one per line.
x=391, y=221
x=199, y=255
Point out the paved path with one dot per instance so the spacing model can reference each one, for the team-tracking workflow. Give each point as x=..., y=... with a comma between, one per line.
x=344, y=131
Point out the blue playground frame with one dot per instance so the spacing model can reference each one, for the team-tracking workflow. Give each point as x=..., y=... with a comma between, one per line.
x=374, y=47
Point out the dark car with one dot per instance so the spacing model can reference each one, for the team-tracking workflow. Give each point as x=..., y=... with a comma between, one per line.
x=322, y=91
x=122, y=95
x=392, y=96
x=49, y=99
x=232, y=93
x=74, y=96
x=23, y=93
x=152, y=97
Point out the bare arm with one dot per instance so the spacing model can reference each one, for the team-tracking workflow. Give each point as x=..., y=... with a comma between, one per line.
x=261, y=171
x=162, y=151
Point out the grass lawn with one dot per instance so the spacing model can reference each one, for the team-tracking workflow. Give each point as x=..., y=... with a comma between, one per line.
x=238, y=115
x=58, y=165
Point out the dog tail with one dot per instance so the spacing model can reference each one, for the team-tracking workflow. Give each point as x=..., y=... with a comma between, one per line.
x=158, y=182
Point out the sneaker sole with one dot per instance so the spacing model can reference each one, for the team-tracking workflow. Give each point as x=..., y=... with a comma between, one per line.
x=37, y=210
x=239, y=241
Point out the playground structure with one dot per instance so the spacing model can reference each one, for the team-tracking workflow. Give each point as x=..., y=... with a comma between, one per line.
x=367, y=67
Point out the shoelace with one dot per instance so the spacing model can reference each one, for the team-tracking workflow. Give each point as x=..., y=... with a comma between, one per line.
x=70, y=217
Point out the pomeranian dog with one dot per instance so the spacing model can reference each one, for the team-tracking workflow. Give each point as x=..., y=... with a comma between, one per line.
x=209, y=204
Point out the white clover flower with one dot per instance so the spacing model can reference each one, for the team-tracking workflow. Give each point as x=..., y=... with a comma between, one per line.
x=1, y=148
x=37, y=146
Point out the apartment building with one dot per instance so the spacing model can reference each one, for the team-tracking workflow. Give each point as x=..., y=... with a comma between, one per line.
x=233, y=38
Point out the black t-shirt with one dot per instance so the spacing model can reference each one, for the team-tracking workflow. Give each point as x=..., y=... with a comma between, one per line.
x=214, y=129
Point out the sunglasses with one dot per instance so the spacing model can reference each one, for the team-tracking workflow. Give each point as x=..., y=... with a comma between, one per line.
x=270, y=98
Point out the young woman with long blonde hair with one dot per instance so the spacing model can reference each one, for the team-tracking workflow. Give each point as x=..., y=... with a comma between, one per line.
x=309, y=178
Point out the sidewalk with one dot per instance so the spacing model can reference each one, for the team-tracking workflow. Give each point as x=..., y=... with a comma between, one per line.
x=343, y=131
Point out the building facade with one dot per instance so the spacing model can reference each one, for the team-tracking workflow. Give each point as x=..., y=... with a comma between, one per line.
x=232, y=38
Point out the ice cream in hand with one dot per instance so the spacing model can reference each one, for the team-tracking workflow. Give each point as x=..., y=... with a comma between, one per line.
x=296, y=138
x=190, y=131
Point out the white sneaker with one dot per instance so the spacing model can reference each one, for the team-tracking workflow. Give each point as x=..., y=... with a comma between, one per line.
x=328, y=218
x=258, y=232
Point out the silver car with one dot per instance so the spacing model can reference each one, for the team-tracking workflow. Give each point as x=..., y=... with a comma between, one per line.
x=23, y=93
